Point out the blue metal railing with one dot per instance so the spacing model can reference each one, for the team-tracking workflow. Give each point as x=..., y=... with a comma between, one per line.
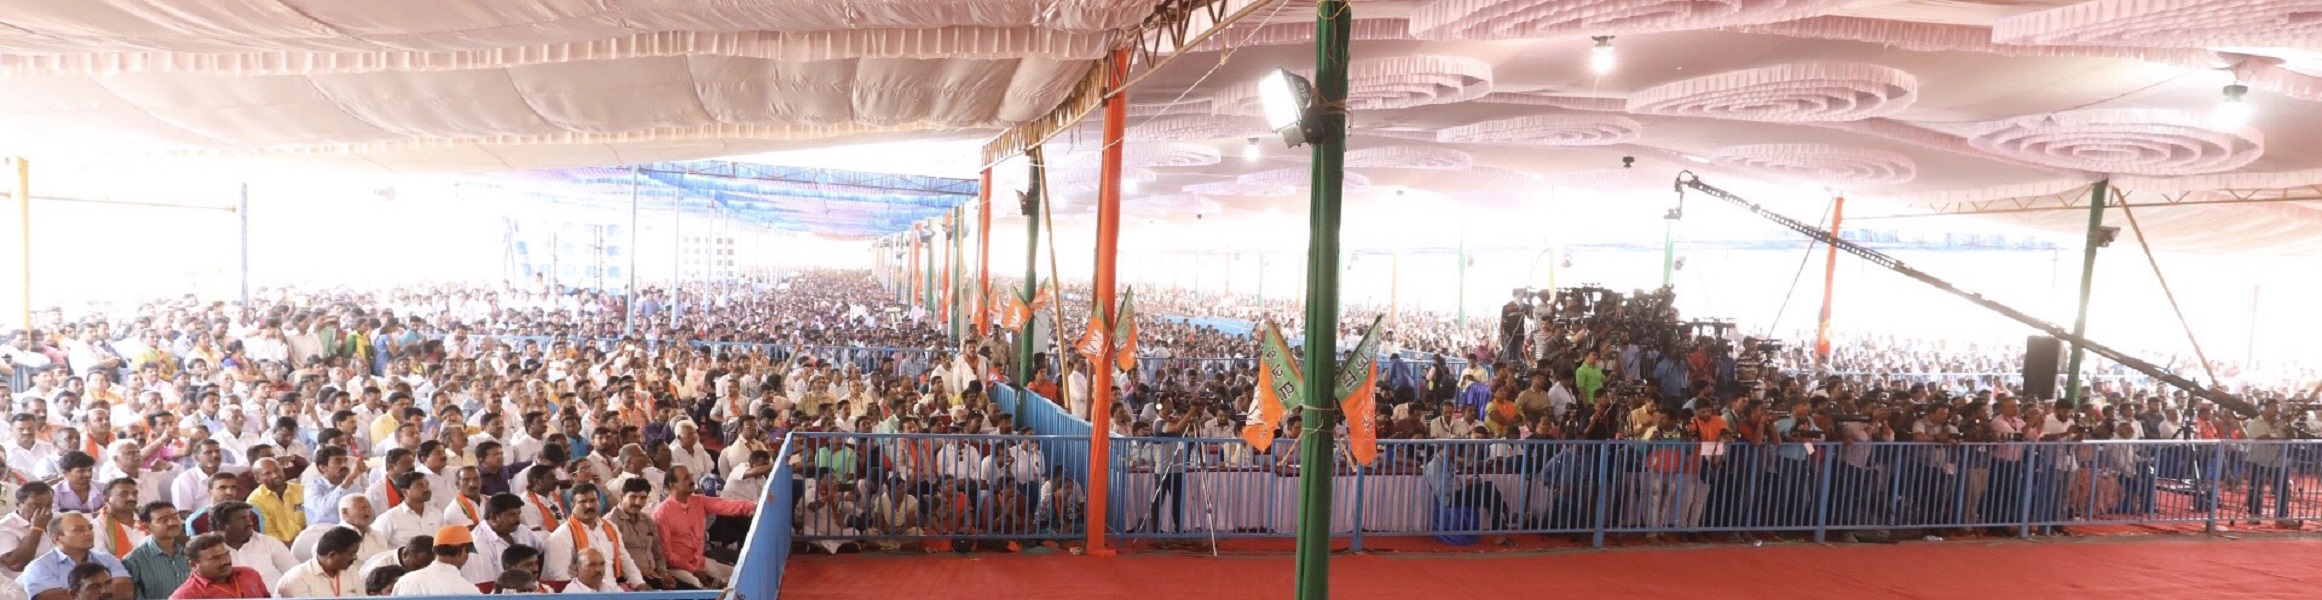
x=1457, y=490
x=871, y=486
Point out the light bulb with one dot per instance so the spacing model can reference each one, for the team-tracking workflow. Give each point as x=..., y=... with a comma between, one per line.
x=1600, y=58
x=1252, y=152
x=2235, y=110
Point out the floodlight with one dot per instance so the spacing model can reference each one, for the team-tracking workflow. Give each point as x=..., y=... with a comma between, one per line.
x=1252, y=152
x=2234, y=111
x=1600, y=58
x=1288, y=100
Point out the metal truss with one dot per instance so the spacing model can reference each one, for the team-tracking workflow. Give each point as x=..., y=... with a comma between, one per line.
x=836, y=180
x=1165, y=35
x=2077, y=199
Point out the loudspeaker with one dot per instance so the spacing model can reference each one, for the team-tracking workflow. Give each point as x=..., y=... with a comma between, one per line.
x=2041, y=354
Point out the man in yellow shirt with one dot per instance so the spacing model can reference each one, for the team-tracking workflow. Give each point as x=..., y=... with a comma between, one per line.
x=280, y=503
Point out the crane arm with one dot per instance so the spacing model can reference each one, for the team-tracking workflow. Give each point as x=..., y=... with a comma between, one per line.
x=1688, y=181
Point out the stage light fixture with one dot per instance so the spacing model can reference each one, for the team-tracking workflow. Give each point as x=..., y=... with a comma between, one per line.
x=1600, y=58
x=2234, y=111
x=1289, y=103
x=1252, y=152
x=1130, y=186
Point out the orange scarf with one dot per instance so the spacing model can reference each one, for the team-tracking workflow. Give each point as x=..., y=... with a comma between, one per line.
x=469, y=507
x=547, y=509
x=394, y=496
x=580, y=543
x=119, y=534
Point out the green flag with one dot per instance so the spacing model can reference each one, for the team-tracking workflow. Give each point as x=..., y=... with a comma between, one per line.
x=1354, y=369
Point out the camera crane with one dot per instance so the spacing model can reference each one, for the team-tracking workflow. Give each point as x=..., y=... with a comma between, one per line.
x=1687, y=180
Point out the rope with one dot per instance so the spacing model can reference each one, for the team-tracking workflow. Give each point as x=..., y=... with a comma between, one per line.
x=2165, y=291
x=1776, y=324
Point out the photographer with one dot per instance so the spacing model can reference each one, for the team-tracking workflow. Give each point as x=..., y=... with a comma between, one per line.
x=1796, y=431
x=2266, y=467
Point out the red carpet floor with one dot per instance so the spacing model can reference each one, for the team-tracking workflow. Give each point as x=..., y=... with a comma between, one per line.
x=2073, y=569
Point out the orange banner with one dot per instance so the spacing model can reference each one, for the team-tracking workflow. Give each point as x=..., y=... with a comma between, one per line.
x=1362, y=418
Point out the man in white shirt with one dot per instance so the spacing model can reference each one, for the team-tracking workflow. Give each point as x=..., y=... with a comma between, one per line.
x=191, y=489
x=453, y=547
x=687, y=450
x=587, y=530
x=331, y=573
x=1076, y=390
x=411, y=518
x=588, y=568
x=238, y=521
x=22, y=535
x=503, y=527
x=29, y=455
x=748, y=480
x=354, y=514
x=122, y=463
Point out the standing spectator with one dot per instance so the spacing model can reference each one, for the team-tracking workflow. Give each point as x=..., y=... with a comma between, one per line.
x=2265, y=464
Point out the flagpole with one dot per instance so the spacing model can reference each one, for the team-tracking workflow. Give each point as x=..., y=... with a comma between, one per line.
x=1333, y=22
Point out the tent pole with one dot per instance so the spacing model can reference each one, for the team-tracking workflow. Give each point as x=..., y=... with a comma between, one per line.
x=242, y=219
x=24, y=229
x=1108, y=242
x=984, y=255
x=1334, y=21
x=1829, y=285
x=629, y=318
x=2096, y=196
x=1024, y=346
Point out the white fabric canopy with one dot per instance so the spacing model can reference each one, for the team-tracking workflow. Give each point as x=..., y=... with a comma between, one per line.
x=426, y=85
x=1901, y=104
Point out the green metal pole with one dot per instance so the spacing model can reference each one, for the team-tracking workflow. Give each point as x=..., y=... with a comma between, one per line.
x=1463, y=278
x=927, y=293
x=958, y=259
x=2087, y=282
x=1024, y=366
x=1668, y=252
x=1334, y=23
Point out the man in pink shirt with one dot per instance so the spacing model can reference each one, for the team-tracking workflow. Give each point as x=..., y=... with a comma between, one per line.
x=684, y=520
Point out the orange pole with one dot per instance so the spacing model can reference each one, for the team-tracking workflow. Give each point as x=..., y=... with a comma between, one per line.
x=950, y=263
x=1108, y=244
x=1829, y=281
x=916, y=298
x=984, y=255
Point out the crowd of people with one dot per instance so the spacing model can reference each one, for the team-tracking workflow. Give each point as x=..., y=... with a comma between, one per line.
x=339, y=443
x=421, y=441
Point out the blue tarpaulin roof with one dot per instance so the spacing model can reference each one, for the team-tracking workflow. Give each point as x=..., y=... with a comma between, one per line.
x=829, y=202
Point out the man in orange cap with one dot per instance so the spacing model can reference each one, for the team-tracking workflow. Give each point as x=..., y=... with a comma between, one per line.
x=453, y=545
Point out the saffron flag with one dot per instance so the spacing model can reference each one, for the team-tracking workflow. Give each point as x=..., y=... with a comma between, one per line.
x=1357, y=391
x=1280, y=387
x=1015, y=314
x=1125, y=331
x=1092, y=344
x=1042, y=295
